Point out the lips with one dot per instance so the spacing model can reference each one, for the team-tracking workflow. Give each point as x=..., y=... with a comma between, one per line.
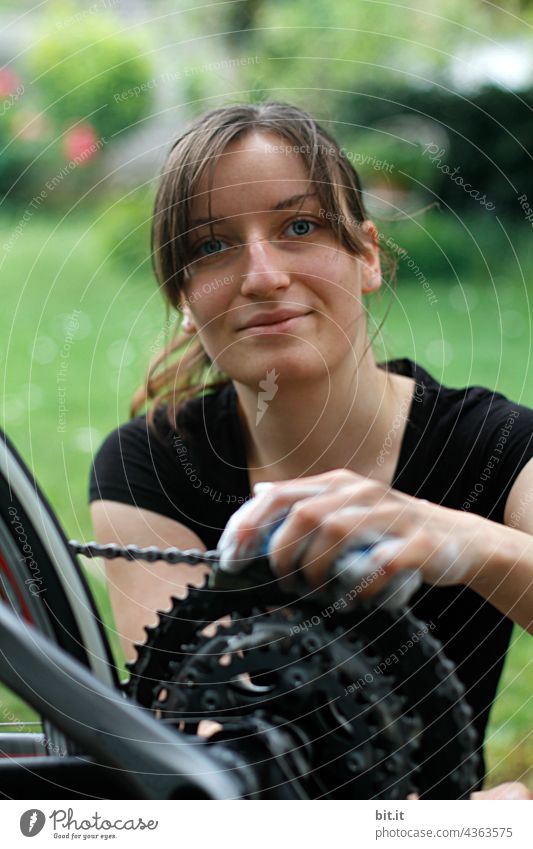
x=264, y=319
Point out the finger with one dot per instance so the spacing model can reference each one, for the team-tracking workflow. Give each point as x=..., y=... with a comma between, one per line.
x=359, y=569
x=273, y=498
x=272, y=502
x=235, y=554
x=339, y=518
x=251, y=524
x=391, y=557
x=312, y=545
x=351, y=488
x=387, y=561
x=262, y=486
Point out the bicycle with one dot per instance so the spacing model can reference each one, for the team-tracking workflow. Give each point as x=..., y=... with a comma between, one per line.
x=305, y=705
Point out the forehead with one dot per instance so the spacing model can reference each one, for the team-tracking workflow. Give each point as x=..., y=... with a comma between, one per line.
x=252, y=174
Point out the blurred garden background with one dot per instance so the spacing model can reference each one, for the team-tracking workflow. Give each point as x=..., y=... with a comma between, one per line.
x=432, y=104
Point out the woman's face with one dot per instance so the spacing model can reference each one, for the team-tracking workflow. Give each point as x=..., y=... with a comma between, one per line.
x=270, y=286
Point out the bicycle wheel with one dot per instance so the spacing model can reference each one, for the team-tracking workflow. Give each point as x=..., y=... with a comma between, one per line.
x=42, y=581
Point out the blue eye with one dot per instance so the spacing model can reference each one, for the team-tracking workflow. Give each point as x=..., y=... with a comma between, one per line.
x=210, y=247
x=302, y=227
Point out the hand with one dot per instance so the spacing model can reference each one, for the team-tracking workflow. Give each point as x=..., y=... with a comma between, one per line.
x=328, y=510
x=509, y=790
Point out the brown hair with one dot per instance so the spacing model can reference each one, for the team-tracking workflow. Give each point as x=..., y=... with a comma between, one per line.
x=179, y=371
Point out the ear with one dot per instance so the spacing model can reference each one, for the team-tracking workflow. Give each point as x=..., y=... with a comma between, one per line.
x=371, y=261
x=187, y=324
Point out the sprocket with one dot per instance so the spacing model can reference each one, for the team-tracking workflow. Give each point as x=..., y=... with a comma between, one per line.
x=357, y=745
x=448, y=757
x=368, y=729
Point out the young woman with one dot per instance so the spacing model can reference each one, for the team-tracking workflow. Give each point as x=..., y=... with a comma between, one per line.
x=262, y=245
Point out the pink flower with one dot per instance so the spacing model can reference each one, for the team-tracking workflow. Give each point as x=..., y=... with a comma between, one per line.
x=9, y=82
x=82, y=142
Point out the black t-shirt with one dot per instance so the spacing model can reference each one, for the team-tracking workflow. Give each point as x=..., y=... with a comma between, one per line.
x=462, y=448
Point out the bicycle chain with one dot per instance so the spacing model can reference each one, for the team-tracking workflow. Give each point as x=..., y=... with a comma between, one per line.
x=151, y=553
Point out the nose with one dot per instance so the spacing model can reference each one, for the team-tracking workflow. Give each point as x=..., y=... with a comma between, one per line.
x=264, y=269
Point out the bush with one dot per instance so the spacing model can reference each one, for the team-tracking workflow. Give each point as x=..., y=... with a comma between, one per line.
x=59, y=126
x=82, y=66
x=445, y=246
x=124, y=232
x=486, y=138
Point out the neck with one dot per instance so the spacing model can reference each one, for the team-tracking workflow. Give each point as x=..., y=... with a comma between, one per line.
x=307, y=428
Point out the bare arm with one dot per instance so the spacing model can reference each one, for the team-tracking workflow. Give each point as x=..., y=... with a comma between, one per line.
x=506, y=579
x=138, y=589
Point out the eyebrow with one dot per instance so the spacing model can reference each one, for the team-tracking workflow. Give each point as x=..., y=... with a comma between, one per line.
x=283, y=204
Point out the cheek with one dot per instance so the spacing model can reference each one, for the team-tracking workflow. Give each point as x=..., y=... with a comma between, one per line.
x=347, y=270
x=343, y=292
x=208, y=303
x=340, y=270
x=210, y=314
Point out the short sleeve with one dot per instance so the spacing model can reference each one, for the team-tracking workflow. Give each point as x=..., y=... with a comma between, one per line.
x=133, y=466
x=164, y=470
x=507, y=448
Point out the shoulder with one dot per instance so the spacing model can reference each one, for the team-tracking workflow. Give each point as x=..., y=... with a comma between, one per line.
x=459, y=407
x=177, y=467
x=465, y=446
x=140, y=439
x=480, y=414
x=130, y=453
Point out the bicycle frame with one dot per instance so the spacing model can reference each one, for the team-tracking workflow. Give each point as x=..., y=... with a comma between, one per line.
x=155, y=763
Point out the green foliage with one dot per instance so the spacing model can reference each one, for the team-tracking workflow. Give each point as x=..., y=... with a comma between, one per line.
x=509, y=735
x=485, y=138
x=378, y=78
x=385, y=157
x=453, y=247
x=23, y=155
x=81, y=66
x=123, y=228
x=312, y=51
x=63, y=110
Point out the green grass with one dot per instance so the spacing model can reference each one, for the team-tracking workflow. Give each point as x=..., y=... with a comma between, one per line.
x=478, y=331
x=510, y=735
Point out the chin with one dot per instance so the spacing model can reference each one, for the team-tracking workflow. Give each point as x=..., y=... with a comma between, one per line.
x=290, y=367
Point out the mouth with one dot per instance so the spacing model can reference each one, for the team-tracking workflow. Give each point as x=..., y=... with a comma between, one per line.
x=278, y=326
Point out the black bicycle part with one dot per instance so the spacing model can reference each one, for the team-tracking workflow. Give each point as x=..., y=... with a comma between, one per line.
x=444, y=762
x=357, y=745
x=56, y=571
x=448, y=759
x=41, y=579
x=150, y=760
